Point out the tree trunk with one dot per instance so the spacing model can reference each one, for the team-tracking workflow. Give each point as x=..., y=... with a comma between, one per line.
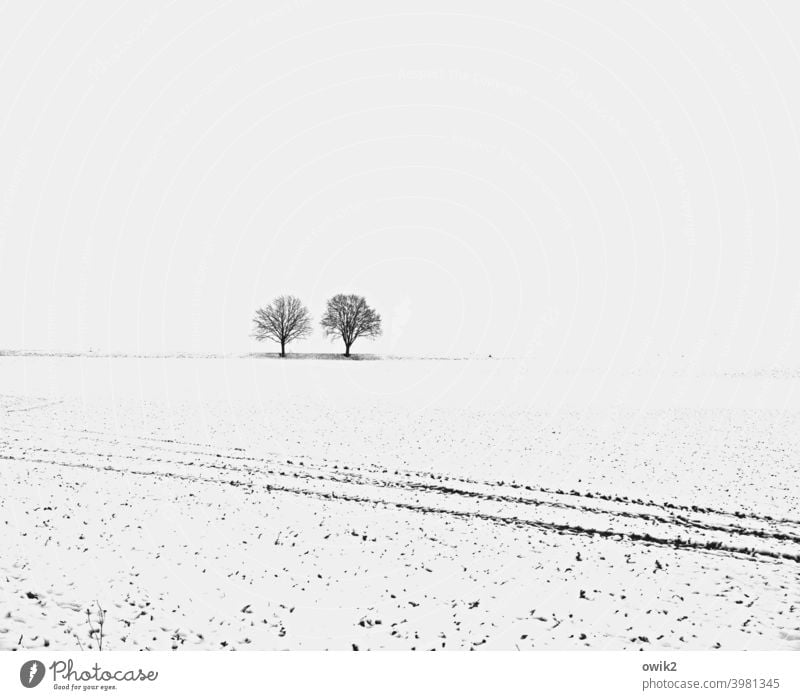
x=283, y=349
x=346, y=350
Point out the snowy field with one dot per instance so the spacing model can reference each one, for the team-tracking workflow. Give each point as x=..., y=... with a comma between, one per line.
x=430, y=504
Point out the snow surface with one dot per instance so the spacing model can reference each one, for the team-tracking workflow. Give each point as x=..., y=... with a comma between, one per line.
x=211, y=503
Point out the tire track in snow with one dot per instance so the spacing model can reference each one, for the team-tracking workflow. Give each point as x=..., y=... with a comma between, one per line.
x=572, y=514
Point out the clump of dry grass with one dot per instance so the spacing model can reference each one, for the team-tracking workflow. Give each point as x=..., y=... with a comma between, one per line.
x=96, y=628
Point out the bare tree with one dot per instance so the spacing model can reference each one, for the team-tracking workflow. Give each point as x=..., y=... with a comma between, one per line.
x=284, y=320
x=348, y=316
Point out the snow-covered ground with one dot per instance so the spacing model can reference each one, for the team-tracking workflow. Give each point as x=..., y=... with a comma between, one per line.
x=258, y=503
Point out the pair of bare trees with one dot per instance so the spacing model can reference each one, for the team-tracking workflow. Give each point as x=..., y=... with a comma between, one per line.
x=347, y=316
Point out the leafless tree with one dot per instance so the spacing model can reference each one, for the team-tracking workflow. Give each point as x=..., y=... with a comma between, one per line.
x=348, y=316
x=284, y=320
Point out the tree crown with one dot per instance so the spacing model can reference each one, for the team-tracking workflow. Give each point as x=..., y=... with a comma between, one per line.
x=349, y=316
x=283, y=320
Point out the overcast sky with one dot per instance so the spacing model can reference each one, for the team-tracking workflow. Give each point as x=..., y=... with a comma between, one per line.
x=597, y=182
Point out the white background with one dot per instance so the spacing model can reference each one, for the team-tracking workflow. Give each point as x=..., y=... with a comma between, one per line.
x=405, y=674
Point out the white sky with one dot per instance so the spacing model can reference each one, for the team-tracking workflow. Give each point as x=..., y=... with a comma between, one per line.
x=598, y=182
